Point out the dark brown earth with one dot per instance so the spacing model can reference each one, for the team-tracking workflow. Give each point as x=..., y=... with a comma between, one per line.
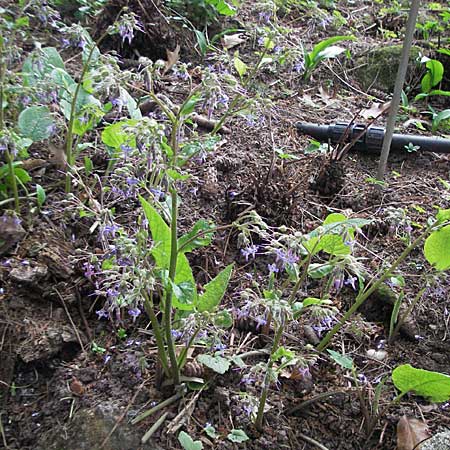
x=58, y=394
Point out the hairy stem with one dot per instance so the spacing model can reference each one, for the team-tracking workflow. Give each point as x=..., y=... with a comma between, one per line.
x=268, y=377
x=364, y=295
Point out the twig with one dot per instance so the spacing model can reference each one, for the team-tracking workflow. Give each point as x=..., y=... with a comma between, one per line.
x=312, y=441
x=2, y=431
x=312, y=400
x=75, y=329
x=122, y=415
x=153, y=428
x=156, y=408
x=83, y=317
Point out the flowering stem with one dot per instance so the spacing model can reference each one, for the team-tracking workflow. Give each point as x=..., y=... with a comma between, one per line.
x=365, y=294
x=9, y=158
x=157, y=332
x=268, y=377
x=237, y=97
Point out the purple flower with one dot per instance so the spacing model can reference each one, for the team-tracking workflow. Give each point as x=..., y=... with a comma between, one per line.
x=220, y=347
x=26, y=100
x=65, y=42
x=101, y=313
x=247, y=379
x=88, y=270
x=117, y=102
x=132, y=181
x=260, y=321
x=134, y=313
x=109, y=230
x=81, y=44
x=126, y=149
x=299, y=67
x=249, y=251
x=176, y=334
x=106, y=359
x=285, y=258
x=273, y=268
x=337, y=284
x=112, y=293
x=351, y=281
x=157, y=193
x=264, y=16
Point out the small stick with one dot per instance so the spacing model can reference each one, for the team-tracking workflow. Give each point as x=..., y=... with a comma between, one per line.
x=75, y=329
x=312, y=441
x=312, y=400
x=105, y=441
x=153, y=428
x=156, y=408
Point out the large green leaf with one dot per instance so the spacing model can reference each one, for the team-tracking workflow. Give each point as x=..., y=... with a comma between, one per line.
x=217, y=363
x=214, y=290
x=188, y=443
x=190, y=241
x=435, y=72
x=37, y=68
x=321, y=46
x=434, y=386
x=83, y=99
x=35, y=123
x=160, y=232
x=114, y=135
x=437, y=248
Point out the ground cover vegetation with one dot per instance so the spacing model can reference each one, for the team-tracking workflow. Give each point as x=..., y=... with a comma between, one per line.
x=179, y=268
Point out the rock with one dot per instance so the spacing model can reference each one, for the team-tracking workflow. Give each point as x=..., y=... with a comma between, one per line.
x=440, y=441
x=11, y=232
x=28, y=274
x=378, y=68
x=90, y=427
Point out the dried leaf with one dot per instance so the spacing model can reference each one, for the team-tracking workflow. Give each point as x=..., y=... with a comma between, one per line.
x=375, y=110
x=232, y=40
x=326, y=97
x=410, y=432
x=58, y=156
x=172, y=58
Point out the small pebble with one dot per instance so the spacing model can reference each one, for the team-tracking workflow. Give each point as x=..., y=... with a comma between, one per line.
x=379, y=355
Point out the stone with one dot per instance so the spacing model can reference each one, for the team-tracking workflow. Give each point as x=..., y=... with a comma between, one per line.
x=90, y=427
x=28, y=274
x=378, y=67
x=440, y=441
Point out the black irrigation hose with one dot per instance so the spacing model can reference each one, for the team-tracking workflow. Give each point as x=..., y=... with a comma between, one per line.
x=372, y=139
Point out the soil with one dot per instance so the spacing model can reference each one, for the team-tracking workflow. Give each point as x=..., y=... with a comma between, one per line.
x=56, y=393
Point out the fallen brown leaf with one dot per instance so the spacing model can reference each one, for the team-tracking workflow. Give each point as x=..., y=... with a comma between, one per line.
x=172, y=58
x=232, y=40
x=375, y=110
x=410, y=432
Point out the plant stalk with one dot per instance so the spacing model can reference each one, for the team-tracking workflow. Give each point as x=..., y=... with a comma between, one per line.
x=363, y=296
x=267, y=377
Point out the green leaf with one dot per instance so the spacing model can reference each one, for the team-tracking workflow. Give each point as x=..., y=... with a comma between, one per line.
x=317, y=270
x=214, y=290
x=160, y=232
x=88, y=165
x=36, y=123
x=189, y=105
x=188, y=443
x=434, y=386
x=201, y=41
x=175, y=175
x=130, y=102
x=330, y=52
x=184, y=294
x=312, y=301
x=333, y=244
x=321, y=46
x=190, y=241
x=38, y=66
x=22, y=175
x=217, y=363
x=437, y=248
x=223, y=319
x=443, y=215
x=224, y=8
x=114, y=135
x=237, y=436
x=343, y=361
x=40, y=195
x=240, y=66
x=211, y=432
x=435, y=72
